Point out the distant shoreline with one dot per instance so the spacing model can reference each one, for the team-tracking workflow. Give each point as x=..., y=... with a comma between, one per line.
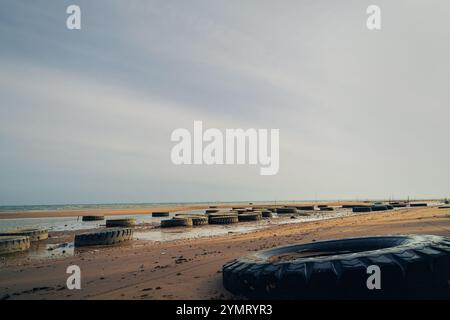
x=144, y=209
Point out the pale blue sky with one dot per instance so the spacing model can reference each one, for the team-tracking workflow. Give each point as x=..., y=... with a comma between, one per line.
x=86, y=116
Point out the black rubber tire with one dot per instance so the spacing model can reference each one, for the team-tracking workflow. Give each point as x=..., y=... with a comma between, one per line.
x=33, y=234
x=417, y=204
x=107, y=236
x=223, y=219
x=197, y=219
x=251, y=216
x=286, y=210
x=408, y=263
x=114, y=223
x=92, y=218
x=307, y=208
x=160, y=214
x=11, y=244
x=379, y=207
x=326, y=209
x=177, y=222
x=444, y=207
x=266, y=214
x=362, y=209
x=322, y=205
x=207, y=211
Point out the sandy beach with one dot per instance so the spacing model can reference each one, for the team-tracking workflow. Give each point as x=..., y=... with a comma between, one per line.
x=191, y=269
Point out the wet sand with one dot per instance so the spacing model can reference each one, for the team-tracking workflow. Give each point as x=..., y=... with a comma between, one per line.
x=190, y=269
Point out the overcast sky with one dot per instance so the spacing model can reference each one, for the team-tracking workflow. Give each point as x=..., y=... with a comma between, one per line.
x=86, y=116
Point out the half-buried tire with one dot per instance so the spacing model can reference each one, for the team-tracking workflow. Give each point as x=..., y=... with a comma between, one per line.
x=418, y=204
x=286, y=210
x=253, y=216
x=103, y=237
x=362, y=209
x=92, y=218
x=197, y=219
x=338, y=268
x=223, y=219
x=11, y=244
x=33, y=234
x=177, y=222
x=130, y=222
x=266, y=214
x=160, y=214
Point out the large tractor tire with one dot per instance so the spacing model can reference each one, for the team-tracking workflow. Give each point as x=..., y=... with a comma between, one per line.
x=266, y=214
x=417, y=204
x=160, y=214
x=307, y=208
x=286, y=210
x=339, y=268
x=223, y=219
x=11, y=244
x=103, y=237
x=114, y=223
x=92, y=218
x=253, y=216
x=197, y=219
x=177, y=222
x=33, y=234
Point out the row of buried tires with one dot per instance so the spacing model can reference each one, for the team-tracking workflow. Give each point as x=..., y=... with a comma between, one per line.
x=20, y=240
x=215, y=216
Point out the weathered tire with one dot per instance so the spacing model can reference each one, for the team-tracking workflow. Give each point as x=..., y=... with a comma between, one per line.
x=177, y=222
x=308, y=208
x=253, y=216
x=322, y=206
x=130, y=222
x=379, y=208
x=33, y=234
x=223, y=219
x=197, y=219
x=10, y=244
x=326, y=209
x=417, y=204
x=267, y=214
x=92, y=218
x=362, y=209
x=207, y=211
x=444, y=207
x=286, y=210
x=160, y=214
x=103, y=237
x=338, y=268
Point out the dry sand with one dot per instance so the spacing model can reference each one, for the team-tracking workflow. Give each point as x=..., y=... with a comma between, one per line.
x=190, y=269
